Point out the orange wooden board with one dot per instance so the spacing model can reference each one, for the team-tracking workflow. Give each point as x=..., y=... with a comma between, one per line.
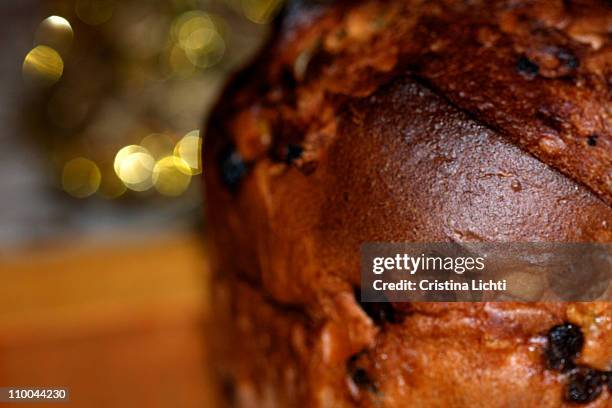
x=119, y=323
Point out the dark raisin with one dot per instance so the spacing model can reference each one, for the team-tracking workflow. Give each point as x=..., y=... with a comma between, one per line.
x=287, y=79
x=564, y=343
x=308, y=167
x=359, y=375
x=293, y=152
x=567, y=58
x=584, y=385
x=526, y=67
x=228, y=389
x=380, y=312
x=285, y=90
x=232, y=167
x=592, y=140
x=607, y=378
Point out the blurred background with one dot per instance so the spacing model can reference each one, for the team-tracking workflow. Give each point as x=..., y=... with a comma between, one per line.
x=102, y=239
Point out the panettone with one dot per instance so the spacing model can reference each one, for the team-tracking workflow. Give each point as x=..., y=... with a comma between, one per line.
x=409, y=121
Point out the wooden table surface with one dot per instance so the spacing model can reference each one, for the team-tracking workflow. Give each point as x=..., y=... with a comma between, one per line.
x=120, y=323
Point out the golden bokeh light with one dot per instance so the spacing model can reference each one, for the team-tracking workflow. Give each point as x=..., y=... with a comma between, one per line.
x=158, y=144
x=189, y=150
x=43, y=65
x=189, y=23
x=124, y=153
x=261, y=11
x=134, y=167
x=55, y=32
x=136, y=171
x=81, y=177
x=197, y=34
x=142, y=75
x=171, y=176
x=209, y=54
x=94, y=12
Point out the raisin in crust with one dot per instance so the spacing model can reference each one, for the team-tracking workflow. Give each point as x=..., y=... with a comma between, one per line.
x=409, y=121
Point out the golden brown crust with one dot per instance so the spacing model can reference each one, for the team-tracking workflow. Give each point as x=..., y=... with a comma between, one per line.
x=539, y=72
x=407, y=121
x=457, y=355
